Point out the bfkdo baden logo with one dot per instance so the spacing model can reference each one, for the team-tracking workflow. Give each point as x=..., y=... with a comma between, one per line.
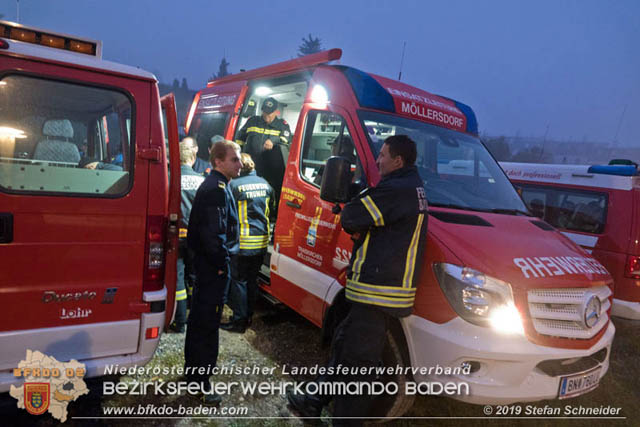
x=37, y=397
x=49, y=385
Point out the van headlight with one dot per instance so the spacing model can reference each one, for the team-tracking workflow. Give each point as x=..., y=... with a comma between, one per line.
x=478, y=298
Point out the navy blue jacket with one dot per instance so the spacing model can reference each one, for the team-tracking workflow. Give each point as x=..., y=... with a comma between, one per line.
x=391, y=219
x=213, y=225
x=256, y=131
x=202, y=167
x=190, y=181
x=253, y=196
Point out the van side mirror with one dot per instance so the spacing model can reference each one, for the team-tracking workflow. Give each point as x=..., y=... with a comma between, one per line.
x=336, y=180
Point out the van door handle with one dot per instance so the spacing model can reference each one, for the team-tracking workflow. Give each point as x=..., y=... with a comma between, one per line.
x=293, y=205
x=152, y=154
x=6, y=227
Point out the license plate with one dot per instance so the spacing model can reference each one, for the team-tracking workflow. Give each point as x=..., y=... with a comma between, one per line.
x=575, y=385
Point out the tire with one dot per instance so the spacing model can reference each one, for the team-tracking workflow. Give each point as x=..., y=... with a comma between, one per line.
x=395, y=354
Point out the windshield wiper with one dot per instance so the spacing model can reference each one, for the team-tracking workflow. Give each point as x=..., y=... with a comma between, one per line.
x=510, y=211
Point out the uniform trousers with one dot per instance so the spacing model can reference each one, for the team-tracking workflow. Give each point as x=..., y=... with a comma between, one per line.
x=244, y=286
x=201, y=342
x=358, y=341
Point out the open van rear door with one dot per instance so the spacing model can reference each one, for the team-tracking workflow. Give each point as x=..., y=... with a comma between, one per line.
x=171, y=254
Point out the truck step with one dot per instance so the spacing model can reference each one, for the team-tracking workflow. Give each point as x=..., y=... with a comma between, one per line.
x=271, y=299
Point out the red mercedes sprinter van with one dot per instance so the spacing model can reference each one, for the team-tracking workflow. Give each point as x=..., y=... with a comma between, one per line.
x=502, y=294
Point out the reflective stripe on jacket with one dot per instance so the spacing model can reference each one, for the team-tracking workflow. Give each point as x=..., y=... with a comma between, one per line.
x=253, y=196
x=392, y=221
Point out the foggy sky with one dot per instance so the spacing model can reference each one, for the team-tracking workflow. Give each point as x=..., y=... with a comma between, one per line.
x=571, y=66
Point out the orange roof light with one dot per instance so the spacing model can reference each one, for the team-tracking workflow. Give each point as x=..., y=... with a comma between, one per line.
x=81, y=47
x=23, y=35
x=52, y=41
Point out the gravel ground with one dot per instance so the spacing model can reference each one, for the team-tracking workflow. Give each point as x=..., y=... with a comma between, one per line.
x=272, y=341
x=281, y=337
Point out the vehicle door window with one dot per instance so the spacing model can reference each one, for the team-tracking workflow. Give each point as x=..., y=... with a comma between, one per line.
x=64, y=138
x=326, y=135
x=574, y=210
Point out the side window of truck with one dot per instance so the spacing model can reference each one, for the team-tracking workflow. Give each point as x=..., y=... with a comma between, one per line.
x=584, y=211
x=326, y=135
x=62, y=138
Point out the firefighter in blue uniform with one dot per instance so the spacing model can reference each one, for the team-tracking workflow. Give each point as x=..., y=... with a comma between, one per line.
x=266, y=139
x=253, y=196
x=190, y=181
x=389, y=225
x=212, y=236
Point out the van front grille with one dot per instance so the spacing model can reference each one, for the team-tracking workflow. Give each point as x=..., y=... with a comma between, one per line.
x=562, y=312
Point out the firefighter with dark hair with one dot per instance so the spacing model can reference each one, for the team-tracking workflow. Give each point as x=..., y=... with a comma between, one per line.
x=212, y=236
x=254, y=197
x=389, y=225
x=266, y=139
x=190, y=181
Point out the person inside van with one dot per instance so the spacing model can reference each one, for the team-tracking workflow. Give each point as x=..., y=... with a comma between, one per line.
x=566, y=213
x=93, y=164
x=588, y=217
x=266, y=139
x=262, y=133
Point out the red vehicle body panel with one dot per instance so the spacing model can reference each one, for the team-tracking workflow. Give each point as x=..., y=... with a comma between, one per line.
x=620, y=237
x=74, y=274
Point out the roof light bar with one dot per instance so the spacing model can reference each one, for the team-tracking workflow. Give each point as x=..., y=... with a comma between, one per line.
x=14, y=31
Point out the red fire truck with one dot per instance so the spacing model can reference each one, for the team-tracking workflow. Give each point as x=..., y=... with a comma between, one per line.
x=502, y=293
x=597, y=207
x=87, y=212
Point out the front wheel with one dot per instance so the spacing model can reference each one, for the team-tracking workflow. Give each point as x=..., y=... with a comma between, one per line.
x=395, y=354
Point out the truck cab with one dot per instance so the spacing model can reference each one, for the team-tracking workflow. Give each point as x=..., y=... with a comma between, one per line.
x=87, y=234
x=501, y=293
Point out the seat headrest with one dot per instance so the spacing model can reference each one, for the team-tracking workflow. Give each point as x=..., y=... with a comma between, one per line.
x=59, y=128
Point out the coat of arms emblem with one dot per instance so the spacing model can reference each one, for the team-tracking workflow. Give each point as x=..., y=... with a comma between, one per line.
x=36, y=397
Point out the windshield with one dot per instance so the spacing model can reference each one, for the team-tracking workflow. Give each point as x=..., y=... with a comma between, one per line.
x=457, y=170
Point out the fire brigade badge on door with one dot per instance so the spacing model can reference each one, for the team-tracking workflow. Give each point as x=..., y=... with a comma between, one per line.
x=36, y=397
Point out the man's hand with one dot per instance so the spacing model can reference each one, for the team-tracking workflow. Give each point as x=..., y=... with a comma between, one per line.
x=268, y=145
x=92, y=165
x=221, y=272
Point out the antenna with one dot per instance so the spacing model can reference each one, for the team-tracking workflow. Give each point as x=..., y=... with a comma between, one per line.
x=18, y=11
x=615, y=138
x=404, y=45
x=544, y=143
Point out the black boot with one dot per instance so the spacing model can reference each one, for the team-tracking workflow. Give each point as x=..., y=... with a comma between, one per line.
x=177, y=328
x=238, y=326
x=212, y=399
x=304, y=406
